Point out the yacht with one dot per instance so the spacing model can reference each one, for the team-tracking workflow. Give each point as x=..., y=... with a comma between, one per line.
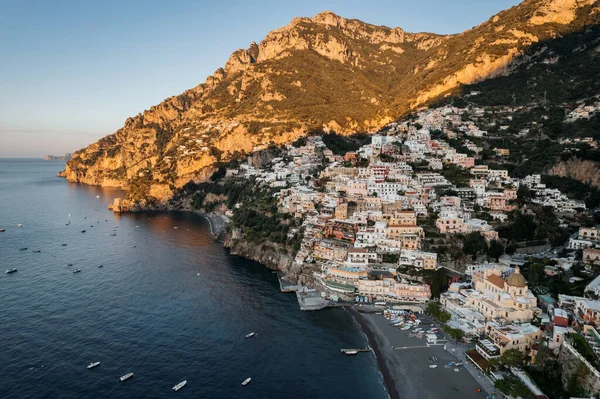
x=349, y=353
x=246, y=381
x=250, y=335
x=92, y=365
x=77, y=271
x=179, y=386
x=10, y=271
x=126, y=377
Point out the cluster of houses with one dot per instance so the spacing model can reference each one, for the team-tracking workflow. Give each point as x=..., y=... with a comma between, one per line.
x=360, y=210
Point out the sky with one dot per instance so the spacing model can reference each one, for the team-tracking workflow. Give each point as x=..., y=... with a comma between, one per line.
x=71, y=72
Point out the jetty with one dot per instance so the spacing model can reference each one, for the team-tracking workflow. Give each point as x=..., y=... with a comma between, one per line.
x=310, y=299
x=286, y=286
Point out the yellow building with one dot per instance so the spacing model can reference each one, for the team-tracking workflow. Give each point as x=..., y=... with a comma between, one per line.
x=510, y=299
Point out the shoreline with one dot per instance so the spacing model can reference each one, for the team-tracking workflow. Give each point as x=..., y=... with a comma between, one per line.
x=388, y=380
x=404, y=361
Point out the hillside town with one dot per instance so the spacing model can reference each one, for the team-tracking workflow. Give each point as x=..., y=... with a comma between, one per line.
x=376, y=223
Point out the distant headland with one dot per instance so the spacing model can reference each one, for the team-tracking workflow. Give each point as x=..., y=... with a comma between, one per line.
x=65, y=157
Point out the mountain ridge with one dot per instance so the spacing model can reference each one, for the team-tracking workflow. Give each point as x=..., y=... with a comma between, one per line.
x=324, y=72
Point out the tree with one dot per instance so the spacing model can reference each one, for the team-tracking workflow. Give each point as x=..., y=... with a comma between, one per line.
x=496, y=249
x=513, y=387
x=512, y=358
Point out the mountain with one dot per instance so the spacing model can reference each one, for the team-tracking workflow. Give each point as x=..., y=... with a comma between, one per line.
x=320, y=73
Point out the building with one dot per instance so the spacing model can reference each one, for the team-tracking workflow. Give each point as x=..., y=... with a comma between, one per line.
x=513, y=336
x=509, y=300
x=591, y=255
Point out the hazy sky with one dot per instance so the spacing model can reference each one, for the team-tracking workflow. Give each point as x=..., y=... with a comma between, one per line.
x=71, y=72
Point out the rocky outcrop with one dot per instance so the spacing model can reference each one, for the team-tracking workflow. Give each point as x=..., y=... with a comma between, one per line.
x=271, y=255
x=583, y=170
x=321, y=72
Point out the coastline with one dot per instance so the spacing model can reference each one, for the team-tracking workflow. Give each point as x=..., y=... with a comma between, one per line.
x=404, y=362
x=388, y=381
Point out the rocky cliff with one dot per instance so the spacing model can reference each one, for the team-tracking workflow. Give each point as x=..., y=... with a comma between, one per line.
x=585, y=171
x=268, y=254
x=325, y=72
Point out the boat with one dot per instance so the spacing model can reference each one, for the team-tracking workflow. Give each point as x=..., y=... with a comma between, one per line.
x=99, y=266
x=250, y=335
x=2, y=230
x=246, y=381
x=349, y=353
x=433, y=366
x=92, y=365
x=10, y=271
x=63, y=245
x=70, y=264
x=179, y=386
x=126, y=377
x=175, y=228
x=97, y=196
x=83, y=231
x=23, y=249
x=20, y=224
x=36, y=251
x=76, y=270
x=113, y=234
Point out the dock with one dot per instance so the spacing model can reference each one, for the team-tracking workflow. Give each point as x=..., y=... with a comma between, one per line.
x=285, y=286
x=309, y=299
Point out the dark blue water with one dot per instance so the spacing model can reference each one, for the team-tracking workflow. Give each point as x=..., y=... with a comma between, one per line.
x=168, y=305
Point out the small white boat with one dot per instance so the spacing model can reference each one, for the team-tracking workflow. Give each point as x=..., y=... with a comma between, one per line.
x=20, y=224
x=97, y=196
x=179, y=386
x=350, y=353
x=433, y=366
x=11, y=271
x=126, y=377
x=250, y=335
x=175, y=228
x=246, y=381
x=92, y=365
x=77, y=271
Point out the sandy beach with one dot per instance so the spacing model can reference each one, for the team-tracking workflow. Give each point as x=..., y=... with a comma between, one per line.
x=405, y=368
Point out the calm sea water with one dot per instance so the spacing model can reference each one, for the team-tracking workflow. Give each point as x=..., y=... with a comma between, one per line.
x=168, y=305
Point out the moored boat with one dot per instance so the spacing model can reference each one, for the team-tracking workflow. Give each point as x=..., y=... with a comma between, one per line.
x=77, y=271
x=83, y=231
x=252, y=334
x=126, y=377
x=179, y=386
x=246, y=381
x=350, y=353
x=36, y=251
x=23, y=249
x=92, y=365
x=10, y=271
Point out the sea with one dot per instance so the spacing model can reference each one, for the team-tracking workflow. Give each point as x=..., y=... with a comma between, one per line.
x=168, y=304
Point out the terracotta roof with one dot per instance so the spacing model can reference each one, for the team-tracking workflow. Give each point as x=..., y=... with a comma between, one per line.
x=496, y=280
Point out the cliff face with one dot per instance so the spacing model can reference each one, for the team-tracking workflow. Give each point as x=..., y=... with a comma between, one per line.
x=583, y=170
x=268, y=254
x=321, y=72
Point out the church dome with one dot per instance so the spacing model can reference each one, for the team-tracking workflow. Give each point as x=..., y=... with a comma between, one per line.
x=516, y=279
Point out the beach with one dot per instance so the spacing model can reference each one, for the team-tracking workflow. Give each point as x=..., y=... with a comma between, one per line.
x=404, y=363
